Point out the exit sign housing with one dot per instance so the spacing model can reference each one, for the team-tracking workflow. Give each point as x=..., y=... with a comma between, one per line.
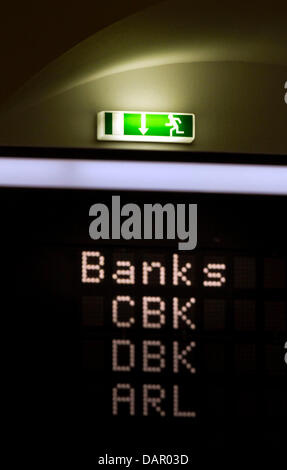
x=138, y=126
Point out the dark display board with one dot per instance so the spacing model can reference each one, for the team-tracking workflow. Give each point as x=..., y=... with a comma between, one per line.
x=136, y=346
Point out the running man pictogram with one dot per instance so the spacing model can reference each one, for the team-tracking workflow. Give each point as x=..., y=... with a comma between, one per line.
x=174, y=123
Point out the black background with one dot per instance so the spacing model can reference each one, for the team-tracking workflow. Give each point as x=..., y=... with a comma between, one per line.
x=53, y=404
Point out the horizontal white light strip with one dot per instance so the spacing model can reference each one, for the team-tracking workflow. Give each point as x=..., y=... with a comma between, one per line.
x=152, y=176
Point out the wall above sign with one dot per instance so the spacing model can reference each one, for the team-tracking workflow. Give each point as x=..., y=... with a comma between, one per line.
x=139, y=126
x=227, y=66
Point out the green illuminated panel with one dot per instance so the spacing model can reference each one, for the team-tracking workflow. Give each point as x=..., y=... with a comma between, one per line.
x=156, y=124
x=146, y=127
x=132, y=124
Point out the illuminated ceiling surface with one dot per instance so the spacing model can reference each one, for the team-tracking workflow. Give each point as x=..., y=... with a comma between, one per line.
x=165, y=34
x=226, y=64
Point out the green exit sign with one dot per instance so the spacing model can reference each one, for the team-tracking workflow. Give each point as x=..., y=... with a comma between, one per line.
x=137, y=126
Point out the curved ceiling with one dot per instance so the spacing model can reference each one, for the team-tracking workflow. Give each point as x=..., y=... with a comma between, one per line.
x=226, y=63
x=167, y=33
x=34, y=33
